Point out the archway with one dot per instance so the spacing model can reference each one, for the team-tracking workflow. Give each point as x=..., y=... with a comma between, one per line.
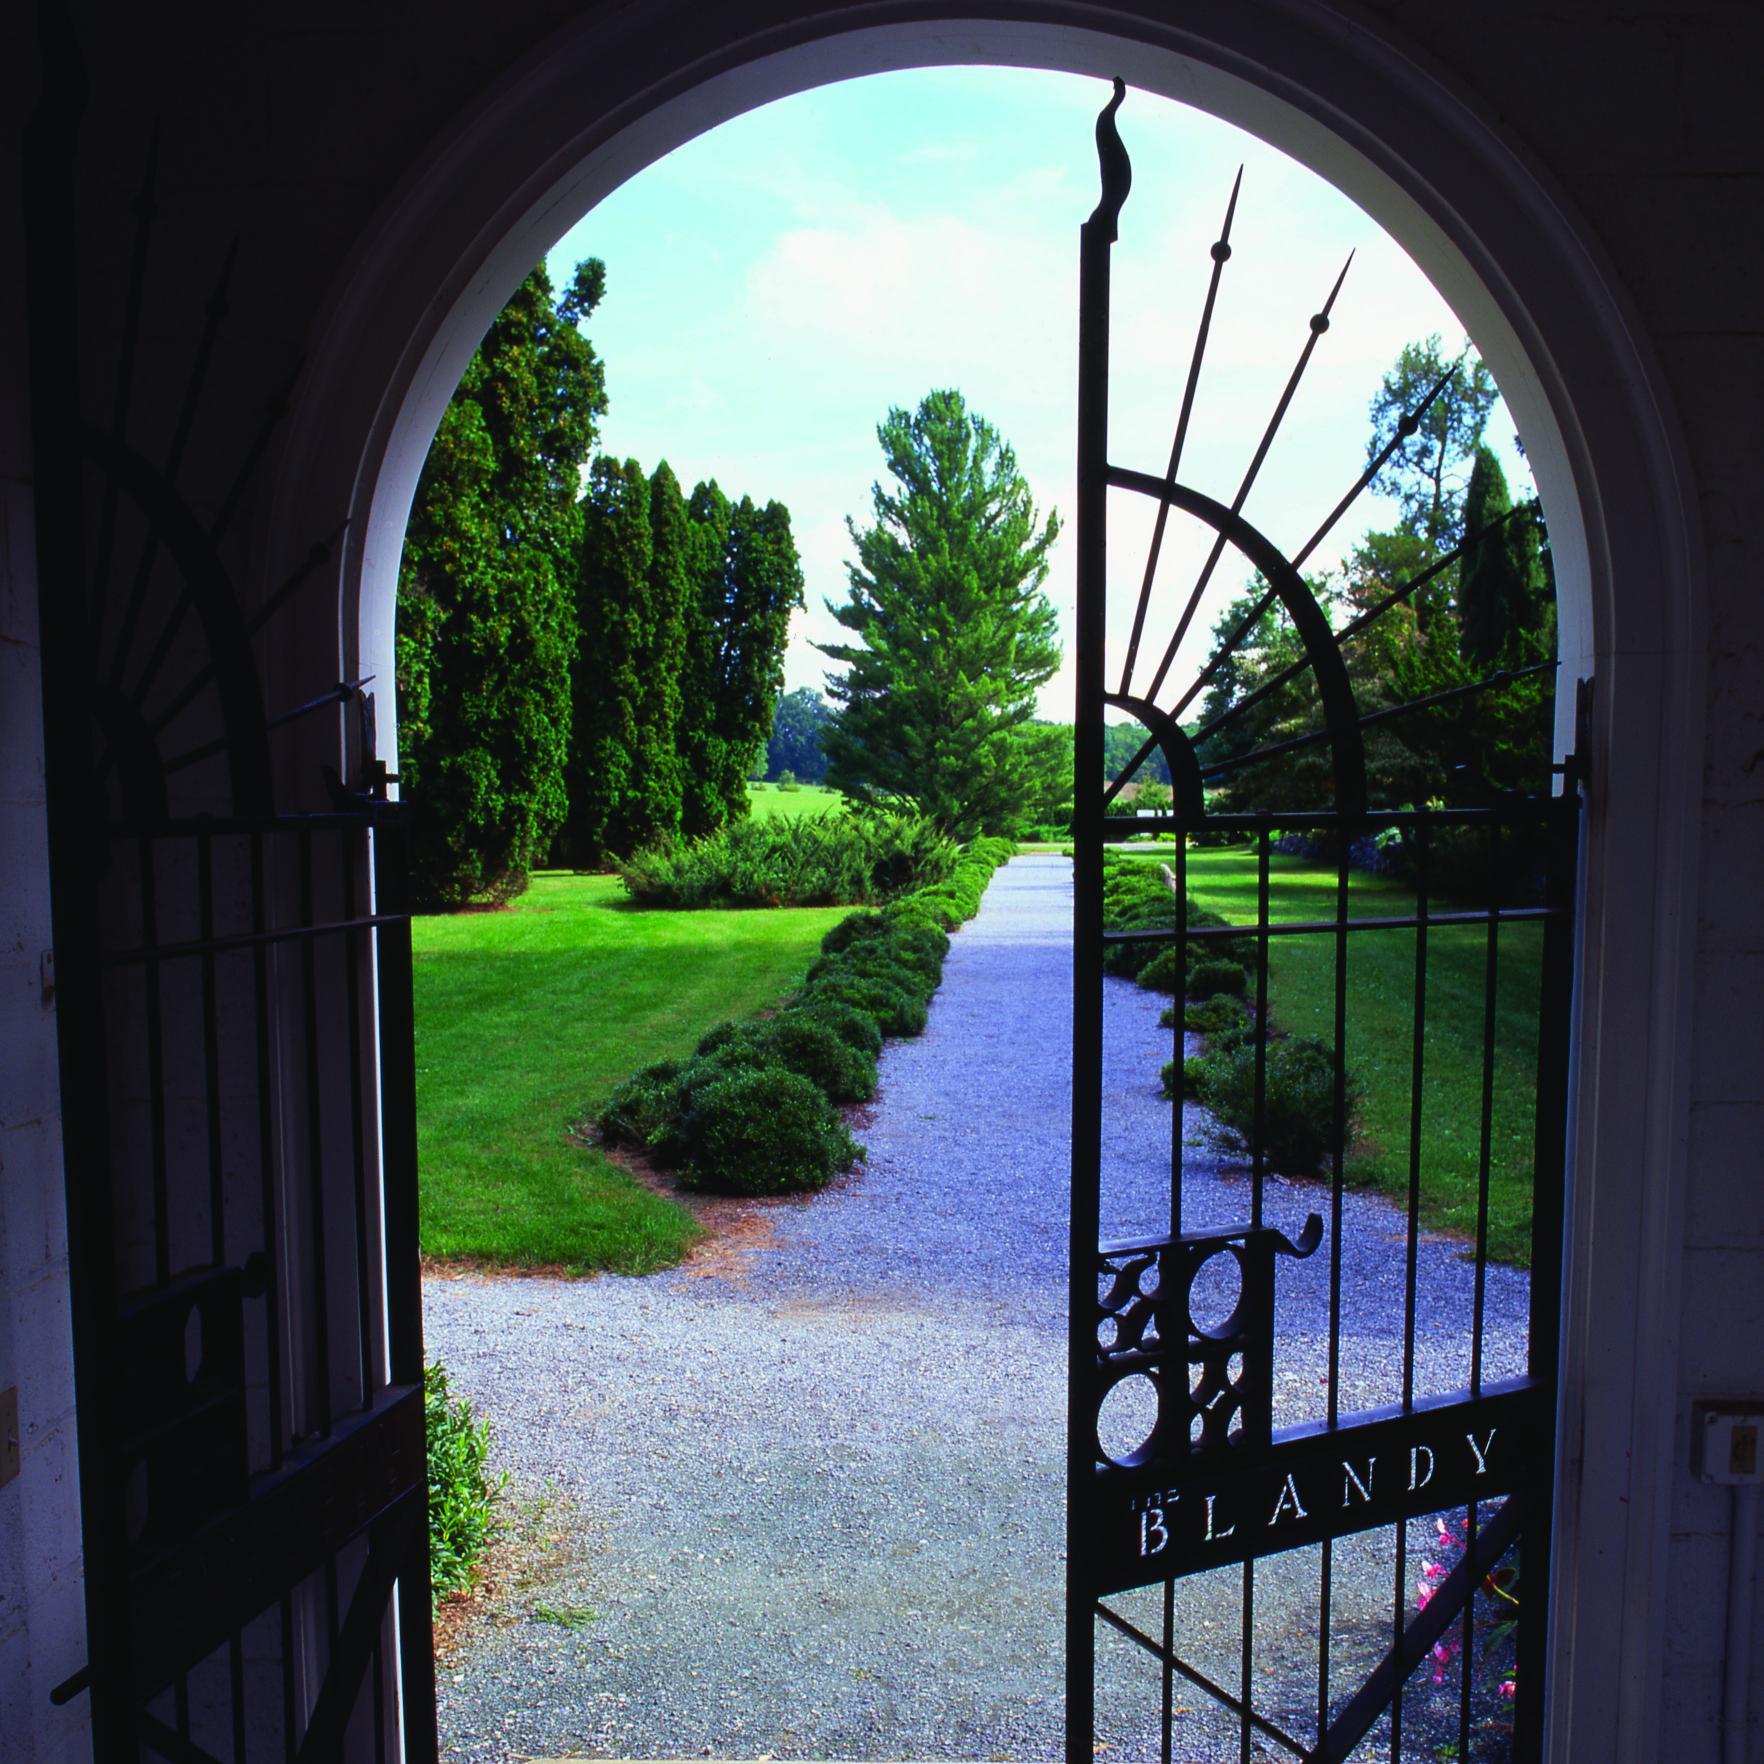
x=1356, y=106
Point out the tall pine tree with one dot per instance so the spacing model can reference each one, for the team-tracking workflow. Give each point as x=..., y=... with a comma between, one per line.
x=486, y=626
x=954, y=633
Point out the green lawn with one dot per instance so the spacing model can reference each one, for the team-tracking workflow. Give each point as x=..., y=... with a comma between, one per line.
x=767, y=800
x=1380, y=1034
x=526, y=1019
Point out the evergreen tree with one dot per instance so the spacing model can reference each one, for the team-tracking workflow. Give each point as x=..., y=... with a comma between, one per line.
x=702, y=808
x=656, y=760
x=610, y=678
x=954, y=633
x=1429, y=473
x=1500, y=581
x=765, y=587
x=749, y=582
x=486, y=629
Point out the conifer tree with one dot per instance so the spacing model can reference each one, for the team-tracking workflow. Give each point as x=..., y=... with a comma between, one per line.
x=701, y=801
x=765, y=587
x=655, y=812
x=749, y=581
x=486, y=625
x=954, y=633
x=1500, y=580
x=609, y=679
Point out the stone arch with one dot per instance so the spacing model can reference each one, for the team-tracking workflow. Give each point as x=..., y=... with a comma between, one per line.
x=1345, y=95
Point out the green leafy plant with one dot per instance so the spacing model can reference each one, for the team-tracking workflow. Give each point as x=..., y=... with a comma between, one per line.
x=463, y=1495
x=813, y=860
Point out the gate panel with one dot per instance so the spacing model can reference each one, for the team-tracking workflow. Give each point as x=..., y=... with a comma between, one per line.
x=234, y=1013
x=1197, y=1448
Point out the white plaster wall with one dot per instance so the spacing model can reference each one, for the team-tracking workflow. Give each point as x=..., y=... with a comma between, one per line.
x=42, y=1609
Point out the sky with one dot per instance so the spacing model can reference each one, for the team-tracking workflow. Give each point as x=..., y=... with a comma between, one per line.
x=776, y=285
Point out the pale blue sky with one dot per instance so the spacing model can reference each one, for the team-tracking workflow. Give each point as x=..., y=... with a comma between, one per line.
x=775, y=285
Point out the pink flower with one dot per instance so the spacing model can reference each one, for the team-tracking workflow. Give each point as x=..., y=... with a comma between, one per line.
x=1508, y=1687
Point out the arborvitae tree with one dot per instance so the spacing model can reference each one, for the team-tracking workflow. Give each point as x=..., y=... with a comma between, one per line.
x=701, y=801
x=609, y=680
x=1500, y=580
x=749, y=581
x=656, y=760
x=765, y=587
x=486, y=628
x=954, y=632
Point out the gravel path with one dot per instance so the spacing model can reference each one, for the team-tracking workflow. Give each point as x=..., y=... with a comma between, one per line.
x=803, y=1496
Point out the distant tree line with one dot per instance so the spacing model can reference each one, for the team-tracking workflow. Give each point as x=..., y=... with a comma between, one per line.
x=579, y=674
x=795, y=746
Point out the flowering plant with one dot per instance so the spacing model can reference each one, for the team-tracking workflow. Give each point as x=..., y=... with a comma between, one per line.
x=1500, y=1583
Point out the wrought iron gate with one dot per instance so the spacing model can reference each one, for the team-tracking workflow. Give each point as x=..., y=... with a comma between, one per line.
x=241, y=1165
x=1227, y=1464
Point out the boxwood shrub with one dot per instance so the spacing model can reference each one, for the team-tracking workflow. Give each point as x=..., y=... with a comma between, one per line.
x=765, y=1131
x=857, y=1029
x=642, y=1109
x=1211, y=978
x=808, y=1045
x=895, y=1010
x=1299, y=1098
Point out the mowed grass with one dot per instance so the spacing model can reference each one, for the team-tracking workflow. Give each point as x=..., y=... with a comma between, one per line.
x=766, y=801
x=1381, y=971
x=527, y=1018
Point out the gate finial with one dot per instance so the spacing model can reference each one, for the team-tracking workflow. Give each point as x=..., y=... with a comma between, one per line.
x=1112, y=160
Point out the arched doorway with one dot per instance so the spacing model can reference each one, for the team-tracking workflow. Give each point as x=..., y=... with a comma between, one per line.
x=1447, y=185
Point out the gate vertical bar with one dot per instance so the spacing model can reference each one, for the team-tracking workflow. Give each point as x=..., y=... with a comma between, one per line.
x=1551, y=1162
x=1096, y=236
x=404, y=1296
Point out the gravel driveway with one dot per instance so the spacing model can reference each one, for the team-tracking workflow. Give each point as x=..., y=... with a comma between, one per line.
x=803, y=1497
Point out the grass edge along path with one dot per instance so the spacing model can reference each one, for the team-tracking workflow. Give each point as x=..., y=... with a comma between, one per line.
x=527, y=1018
x=1380, y=1034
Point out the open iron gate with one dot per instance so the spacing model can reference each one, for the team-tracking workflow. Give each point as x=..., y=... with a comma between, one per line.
x=233, y=1003
x=1217, y=1472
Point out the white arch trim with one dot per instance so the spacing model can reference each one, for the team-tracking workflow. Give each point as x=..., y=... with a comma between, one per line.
x=624, y=85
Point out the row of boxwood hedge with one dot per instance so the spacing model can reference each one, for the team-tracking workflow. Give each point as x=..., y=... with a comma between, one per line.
x=1214, y=981
x=754, y=1110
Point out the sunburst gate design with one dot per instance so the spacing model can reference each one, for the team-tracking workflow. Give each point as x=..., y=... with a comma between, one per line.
x=1342, y=723
x=1193, y=1469
x=157, y=566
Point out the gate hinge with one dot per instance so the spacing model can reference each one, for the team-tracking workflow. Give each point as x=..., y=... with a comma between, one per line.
x=1572, y=768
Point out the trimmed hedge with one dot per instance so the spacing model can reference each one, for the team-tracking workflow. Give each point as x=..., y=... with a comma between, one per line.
x=737, y=1117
